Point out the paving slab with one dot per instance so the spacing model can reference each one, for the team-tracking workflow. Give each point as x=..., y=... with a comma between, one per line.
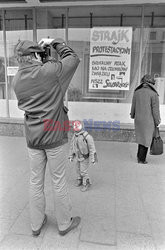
x=123, y=210
x=22, y=223
x=133, y=221
x=5, y=225
x=20, y=242
x=52, y=240
x=129, y=241
x=158, y=232
x=93, y=246
x=99, y=229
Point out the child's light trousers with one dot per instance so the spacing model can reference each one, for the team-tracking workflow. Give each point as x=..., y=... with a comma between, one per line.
x=82, y=170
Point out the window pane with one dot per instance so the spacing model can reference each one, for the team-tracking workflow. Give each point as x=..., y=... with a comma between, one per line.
x=2, y=64
x=153, y=52
x=154, y=16
x=51, y=23
x=19, y=25
x=81, y=19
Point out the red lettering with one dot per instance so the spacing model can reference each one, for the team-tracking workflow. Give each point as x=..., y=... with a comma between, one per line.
x=67, y=125
x=48, y=125
x=57, y=126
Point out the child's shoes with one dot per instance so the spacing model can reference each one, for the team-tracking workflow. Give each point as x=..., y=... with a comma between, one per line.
x=86, y=186
x=78, y=182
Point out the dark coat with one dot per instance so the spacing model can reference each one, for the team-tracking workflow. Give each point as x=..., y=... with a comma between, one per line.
x=145, y=111
x=40, y=89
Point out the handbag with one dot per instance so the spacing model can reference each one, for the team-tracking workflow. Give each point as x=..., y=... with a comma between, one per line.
x=157, y=143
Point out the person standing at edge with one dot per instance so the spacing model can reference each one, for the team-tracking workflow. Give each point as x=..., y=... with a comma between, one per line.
x=145, y=111
x=40, y=89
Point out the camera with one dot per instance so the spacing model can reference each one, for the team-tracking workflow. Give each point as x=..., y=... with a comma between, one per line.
x=45, y=43
x=46, y=53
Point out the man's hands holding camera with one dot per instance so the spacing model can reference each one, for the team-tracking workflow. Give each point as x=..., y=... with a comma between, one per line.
x=44, y=42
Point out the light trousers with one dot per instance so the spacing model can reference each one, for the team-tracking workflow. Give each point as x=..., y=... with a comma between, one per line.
x=82, y=170
x=56, y=159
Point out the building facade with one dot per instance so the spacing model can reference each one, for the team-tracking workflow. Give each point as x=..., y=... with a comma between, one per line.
x=88, y=97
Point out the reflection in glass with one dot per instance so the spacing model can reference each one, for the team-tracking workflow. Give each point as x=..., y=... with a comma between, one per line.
x=51, y=23
x=80, y=22
x=2, y=64
x=19, y=26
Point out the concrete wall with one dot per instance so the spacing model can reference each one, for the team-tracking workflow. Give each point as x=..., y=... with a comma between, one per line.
x=15, y=127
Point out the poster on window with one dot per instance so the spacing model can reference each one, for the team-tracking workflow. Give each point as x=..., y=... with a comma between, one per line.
x=110, y=58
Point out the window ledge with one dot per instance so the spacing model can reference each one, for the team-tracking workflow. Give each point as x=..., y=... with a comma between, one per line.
x=11, y=120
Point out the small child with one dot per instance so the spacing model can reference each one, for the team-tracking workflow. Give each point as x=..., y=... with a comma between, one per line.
x=82, y=148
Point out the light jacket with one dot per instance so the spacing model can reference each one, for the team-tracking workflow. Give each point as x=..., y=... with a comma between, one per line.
x=146, y=114
x=82, y=144
x=40, y=89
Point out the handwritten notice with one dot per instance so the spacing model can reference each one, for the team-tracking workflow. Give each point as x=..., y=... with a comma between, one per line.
x=110, y=58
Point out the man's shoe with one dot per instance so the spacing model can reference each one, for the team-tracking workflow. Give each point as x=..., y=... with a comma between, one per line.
x=37, y=232
x=75, y=222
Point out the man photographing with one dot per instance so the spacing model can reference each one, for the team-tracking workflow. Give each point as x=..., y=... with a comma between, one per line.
x=40, y=89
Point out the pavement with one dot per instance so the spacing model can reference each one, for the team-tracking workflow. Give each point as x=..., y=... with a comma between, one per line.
x=123, y=210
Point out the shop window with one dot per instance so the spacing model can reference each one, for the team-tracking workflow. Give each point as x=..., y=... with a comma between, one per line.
x=19, y=26
x=163, y=36
x=153, y=56
x=2, y=62
x=51, y=22
x=18, y=20
x=81, y=20
x=152, y=36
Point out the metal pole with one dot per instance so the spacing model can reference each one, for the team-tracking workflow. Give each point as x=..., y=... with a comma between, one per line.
x=62, y=20
x=91, y=19
x=67, y=24
x=66, y=39
x=152, y=19
x=34, y=25
x=5, y=60
x=141, y=44
x=26, y=24
x=121, y=20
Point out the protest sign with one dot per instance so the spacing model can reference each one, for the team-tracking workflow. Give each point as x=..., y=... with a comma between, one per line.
x=110, y=58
